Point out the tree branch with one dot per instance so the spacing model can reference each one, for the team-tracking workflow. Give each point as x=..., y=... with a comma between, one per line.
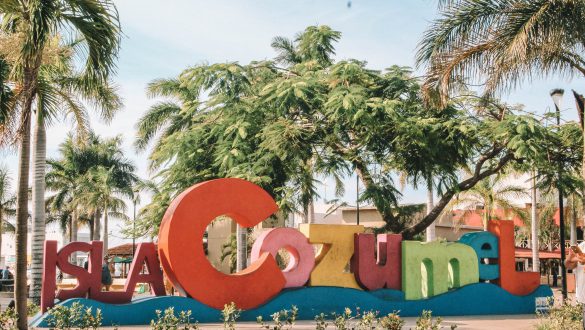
x=462, y=186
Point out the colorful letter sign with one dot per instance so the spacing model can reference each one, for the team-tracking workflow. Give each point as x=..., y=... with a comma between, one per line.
x=333, y=264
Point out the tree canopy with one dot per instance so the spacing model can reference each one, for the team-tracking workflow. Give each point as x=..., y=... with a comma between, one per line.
x=282, y=123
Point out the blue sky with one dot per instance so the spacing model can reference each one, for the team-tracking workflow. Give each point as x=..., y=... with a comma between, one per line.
x=164, y=37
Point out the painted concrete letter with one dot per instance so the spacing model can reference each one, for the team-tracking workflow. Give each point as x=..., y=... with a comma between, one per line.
x=49, y=276
x=335, y=254
x=433, y=268
x=54, y=259
x=381, y=272
x=485, y=245
x=301, y=253
x=181, y=249
x=518, y=283
x=145, y=254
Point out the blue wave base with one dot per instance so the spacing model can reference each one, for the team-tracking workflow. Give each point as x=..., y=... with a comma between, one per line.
x=474, y=299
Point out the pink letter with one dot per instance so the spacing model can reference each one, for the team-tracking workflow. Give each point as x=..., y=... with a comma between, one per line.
x=302, y=255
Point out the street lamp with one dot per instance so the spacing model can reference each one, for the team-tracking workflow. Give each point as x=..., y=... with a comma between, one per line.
x=557, y=96
x=357, y=198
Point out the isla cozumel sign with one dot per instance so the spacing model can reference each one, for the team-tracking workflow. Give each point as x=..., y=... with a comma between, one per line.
x=476, y=275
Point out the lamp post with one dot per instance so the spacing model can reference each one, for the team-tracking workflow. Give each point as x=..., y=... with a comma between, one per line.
x=135, y=197
x=357, y=198
x=557, y=96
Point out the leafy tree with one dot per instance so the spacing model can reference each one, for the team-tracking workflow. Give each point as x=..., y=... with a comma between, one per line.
x=282, y=123
x=36, y=22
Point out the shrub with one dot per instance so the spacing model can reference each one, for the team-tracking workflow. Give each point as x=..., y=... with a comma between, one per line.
x=425, y=322
x=65, y=318
x=8, y=319
x=32, y=308
x=341, y=322
x=284, y=319
x=568, y=316
x=367, y=321
x=169, y=321
x=229, y=315
x=391, y=322
x=321, y=322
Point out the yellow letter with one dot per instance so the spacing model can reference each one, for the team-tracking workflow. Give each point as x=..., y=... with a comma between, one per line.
x=334, y=256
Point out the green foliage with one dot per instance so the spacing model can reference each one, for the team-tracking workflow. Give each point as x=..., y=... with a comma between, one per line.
x=8, y=318
x=93, y=176
x=32, y=308
x=284, y=319
x=321, y=322
x=283, y=122
x=367, y=321
x=426, y=322
x=567, y=316
x=167, y=320
x=65, y=318
x=229, y=315
x=515, y=39
x=342, y=321
x=391, y=322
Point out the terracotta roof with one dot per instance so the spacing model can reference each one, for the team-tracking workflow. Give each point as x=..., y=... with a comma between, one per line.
x=527, y=253
x=121, y=250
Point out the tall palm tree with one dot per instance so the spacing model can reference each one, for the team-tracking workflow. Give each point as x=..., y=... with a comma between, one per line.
x=37, y=22
x=7, y=201
x=430, y=231
x=88, y=176
x=99, y=188
x=61, y=91
x=491, y=193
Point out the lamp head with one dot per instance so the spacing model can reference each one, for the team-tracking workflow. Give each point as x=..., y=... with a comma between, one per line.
x=557, y=96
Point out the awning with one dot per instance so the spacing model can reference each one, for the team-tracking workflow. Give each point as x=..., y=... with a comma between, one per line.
x=527, y=254
x=120, y=260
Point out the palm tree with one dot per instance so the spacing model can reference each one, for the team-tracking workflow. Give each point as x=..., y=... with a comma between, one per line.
x=430, y=231
x=491, y=193
x=502, y=42
x=90, y=177
x=36, y=22
x=166, y=117
x=61, y=92
x=7, y=201
x=99, y=188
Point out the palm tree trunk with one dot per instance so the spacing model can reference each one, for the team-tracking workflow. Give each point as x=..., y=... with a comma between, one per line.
x=573, y=222
x=241, y=248
x=1, y=231
x=97, y=225
x=38, y=207
x=430, y=231
x=105, y=229
x=74, y=230
x=20, y=285
x=90, y=225
x=311, y=218
x=534, y=226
